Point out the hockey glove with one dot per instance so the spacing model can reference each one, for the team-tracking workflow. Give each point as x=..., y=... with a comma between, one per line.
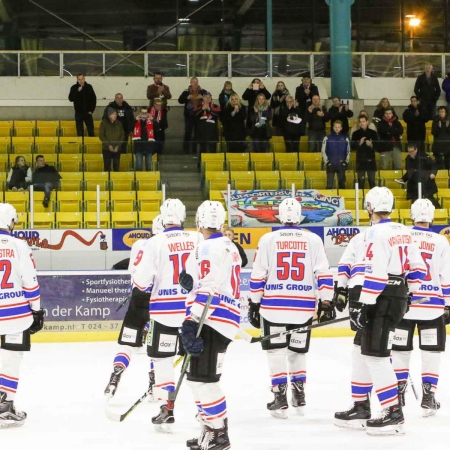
x=358, y=315
x=38, y=321
x=186, y=281
x=191, y=343
x=340, y=297
x=253, y=314
x=408, y=301
x=325, y=311
x=447, y=315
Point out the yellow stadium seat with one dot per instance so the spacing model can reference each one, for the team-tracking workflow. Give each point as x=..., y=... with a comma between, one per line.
x=216, y=180
x=237, y=161
x=92, y=145
x=69, y=201
x=286, y=161
x=39, y=207
x=218, y=197
x=90, y=219
x=20, y=200
x=441, y=217
x=124, y=219
x=289, y=177
x=90, y=201
x=93, y=163
x=97, y=126
x=23, y=221
x=267, y=179
x=121, y=181
x=387, y=178
x=309, y=166
x=24, y=128
x=149, y=200
x=242, y=179
x=47, y=128
x=4, y=162
x=22, y=145
x=6, y=127
x=44, y=220
x=402, y=204
x=94, y=179
x=67, y=128
x=316, y=180
x=146, y=218
x=126, y=162
x=148, y=181
x=212, y=161
x=70, y=162
x=363, y=217
x=44, y=145
x=442, y=183
x=277, y=144
x=69, y=220
x=123, y=201
x=405, y=217
x=70, y=144
x=71, y=181
x=442, y=174
x=261, y=161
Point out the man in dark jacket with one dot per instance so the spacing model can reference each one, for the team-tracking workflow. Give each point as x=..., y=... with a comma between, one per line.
x=428, y=91
x=390, y=132
x=441, y=133
x=420, y=167
x=316, y=117
x=341, y=112
x=415, y=118
x=304, y=93
x=84, y=102
x=45, y=178
x=363, y=141
x=125, y=116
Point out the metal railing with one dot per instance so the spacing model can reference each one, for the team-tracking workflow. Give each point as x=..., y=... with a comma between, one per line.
x=213, y=64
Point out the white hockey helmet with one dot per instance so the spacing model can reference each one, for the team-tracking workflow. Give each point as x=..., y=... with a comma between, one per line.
x=422, y=210
x=210, y=214
x=290, y=211
x=157, y=226
x=173, y=212
x=379, y=199
x=7, y=214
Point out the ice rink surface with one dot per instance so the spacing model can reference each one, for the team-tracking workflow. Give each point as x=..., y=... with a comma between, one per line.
x=61, y=389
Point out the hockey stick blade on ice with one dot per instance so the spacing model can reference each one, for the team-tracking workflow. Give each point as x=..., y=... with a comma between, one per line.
x=115, y=417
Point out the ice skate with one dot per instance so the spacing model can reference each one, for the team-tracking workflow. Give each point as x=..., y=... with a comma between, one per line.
x=278, y=407
x=214, y=439
x=354, y=418
x=9, y=417
x=113, y=384
x=429, y=404
x=164, y=421
x=151, y=398
x=298, y=397
x=194, y=443
x=401, y=392
x=390, y=422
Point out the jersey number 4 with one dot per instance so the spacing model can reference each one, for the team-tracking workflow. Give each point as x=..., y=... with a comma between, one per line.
x=290, y=266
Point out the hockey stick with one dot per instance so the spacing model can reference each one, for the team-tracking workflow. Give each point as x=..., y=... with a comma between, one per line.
x=412, y=387
x=177, y=361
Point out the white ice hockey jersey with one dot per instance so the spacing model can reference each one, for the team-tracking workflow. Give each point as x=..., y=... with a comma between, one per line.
x=215, y=266
x=351, y=266
x=288, y=264
x=19, y=288
x=390, y=250
x=435, y=252
x=157, y=268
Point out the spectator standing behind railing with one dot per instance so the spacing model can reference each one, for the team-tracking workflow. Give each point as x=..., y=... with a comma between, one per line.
x=125, y=116
x=233, y=118
x=190, y=98
x=342, y=112
x=390, y=132
x=112, y=136
x=207, y=132
x=255, y=88
x=316, y=116
x=446, y=88
x=158, y=115
x=84, y=101
x=356, y=125
x=226, y=94
x=143, y=137
x=383, y=104
x=158, y=91
x=260, y=116
x=304, y=93
x=45, y=178
x=292, y=124
x=416, y=118
x=19, y=176
x=428, y=91
x=441, y=132
x=278, y=104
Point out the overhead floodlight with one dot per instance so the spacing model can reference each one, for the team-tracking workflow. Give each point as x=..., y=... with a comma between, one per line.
x=414, y=22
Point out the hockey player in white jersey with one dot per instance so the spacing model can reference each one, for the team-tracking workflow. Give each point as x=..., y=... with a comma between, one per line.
x=157, y=270
x=135, y=322
x=20, y=312
x=288, y=264
x=212, y=272
x=427, y=316
x=391, y=261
